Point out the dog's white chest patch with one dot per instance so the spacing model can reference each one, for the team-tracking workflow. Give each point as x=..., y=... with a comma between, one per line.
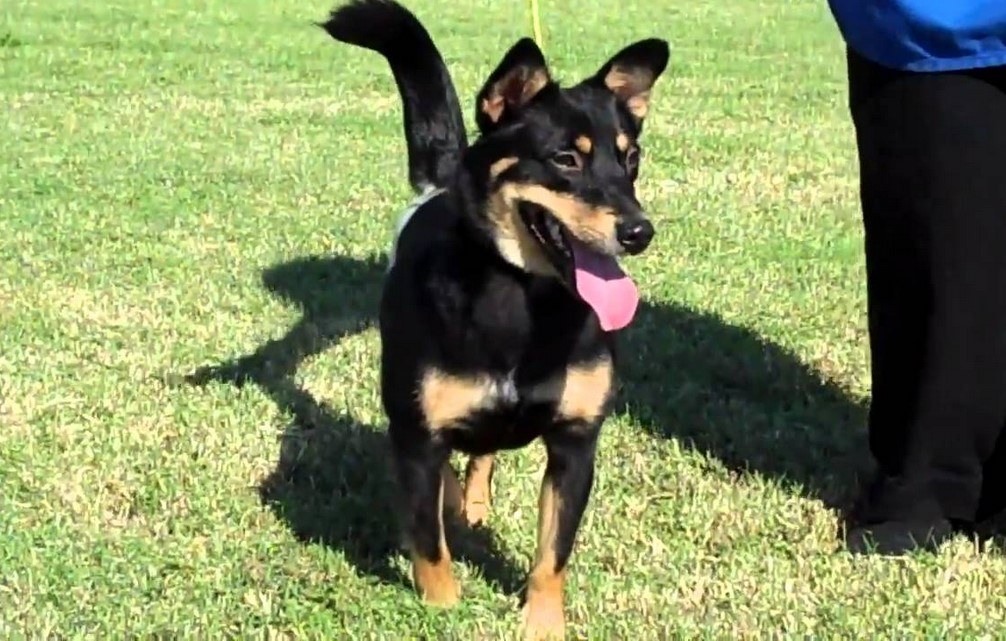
x=505, y=390
x=428, y=194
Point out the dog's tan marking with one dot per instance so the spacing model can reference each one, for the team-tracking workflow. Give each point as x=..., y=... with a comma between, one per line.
x=586, y=391
x=493, y=107
x=434, y=580
x=632, y=85
x=445, y=399
x=543, y=614
x=513, y=240
x=595, y=226
x=501, y=165
x=516, y=88
x=478, y=488
x=581, y=392
x=584, y=144
x=639, y=105
x=622, y=142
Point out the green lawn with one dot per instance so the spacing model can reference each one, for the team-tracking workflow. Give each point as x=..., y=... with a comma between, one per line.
x=195, y=199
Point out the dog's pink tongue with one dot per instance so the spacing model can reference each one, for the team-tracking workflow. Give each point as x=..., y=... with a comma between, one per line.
x=605, y=287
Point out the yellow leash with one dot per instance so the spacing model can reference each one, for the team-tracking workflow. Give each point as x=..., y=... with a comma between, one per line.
x=536, y=24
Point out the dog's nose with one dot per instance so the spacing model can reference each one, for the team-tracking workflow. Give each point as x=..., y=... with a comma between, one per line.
x=634, y=235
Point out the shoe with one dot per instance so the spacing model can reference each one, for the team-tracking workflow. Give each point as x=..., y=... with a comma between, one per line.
x=898, y=538
x=893, y=517
x=992, y=505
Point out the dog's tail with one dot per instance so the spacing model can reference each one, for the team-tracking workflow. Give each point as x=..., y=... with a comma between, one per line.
x=434, y=127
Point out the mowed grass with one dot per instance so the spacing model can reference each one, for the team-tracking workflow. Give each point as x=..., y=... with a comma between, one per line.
x=196, y=199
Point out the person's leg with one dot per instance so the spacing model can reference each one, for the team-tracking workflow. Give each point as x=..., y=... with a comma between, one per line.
x=993, y=499
x=932, y=152
x=896, y=269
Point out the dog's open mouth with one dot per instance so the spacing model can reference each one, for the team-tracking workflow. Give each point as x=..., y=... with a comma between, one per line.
x=595, y=275
x=552, y=236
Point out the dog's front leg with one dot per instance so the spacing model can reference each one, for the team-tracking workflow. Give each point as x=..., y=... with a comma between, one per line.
x=565, y=488
x=421, y=481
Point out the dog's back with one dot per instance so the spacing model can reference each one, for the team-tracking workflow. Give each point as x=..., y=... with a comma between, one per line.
x=434, y=127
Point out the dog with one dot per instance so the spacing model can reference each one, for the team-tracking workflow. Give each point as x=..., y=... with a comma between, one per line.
x=503, y=295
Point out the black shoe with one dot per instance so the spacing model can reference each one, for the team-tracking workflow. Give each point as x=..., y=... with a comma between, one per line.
x=893, y=517
x=992, y=506
x=897, y=538
x=991, y=518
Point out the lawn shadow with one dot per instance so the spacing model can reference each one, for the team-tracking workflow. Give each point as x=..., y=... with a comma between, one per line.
x=720, y=388
x=332, y=483
x=749, y=403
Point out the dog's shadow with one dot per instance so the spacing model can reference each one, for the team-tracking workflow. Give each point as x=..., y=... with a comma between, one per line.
x=720, y=388
x=333, y=482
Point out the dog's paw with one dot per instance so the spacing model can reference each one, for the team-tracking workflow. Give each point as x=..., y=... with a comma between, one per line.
x=478, y=490
x=476, y=512
x=436, y=585
x=442, y=595
x=543, y=619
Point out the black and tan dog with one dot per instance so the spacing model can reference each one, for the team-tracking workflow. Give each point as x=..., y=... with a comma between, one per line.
x=504, y=292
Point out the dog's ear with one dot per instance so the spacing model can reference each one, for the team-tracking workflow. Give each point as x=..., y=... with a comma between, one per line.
x=632, y=72
x=518, y=78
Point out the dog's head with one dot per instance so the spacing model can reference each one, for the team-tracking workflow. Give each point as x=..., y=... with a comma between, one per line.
x=561, y=165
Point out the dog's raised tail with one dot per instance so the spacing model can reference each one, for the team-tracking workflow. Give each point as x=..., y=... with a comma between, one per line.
x=434, y=127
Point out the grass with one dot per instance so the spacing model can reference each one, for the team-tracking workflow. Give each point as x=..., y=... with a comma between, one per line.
x=196, y=198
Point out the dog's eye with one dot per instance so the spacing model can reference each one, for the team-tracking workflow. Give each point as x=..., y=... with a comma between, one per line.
x=567, y=160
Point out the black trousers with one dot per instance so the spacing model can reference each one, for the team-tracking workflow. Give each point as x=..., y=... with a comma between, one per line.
x=932, y=155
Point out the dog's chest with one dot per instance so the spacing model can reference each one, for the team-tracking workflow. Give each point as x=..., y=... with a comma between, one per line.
x=504, y=402
x=505, y=394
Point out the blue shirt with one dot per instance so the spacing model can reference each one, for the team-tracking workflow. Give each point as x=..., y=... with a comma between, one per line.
x=925, y=35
